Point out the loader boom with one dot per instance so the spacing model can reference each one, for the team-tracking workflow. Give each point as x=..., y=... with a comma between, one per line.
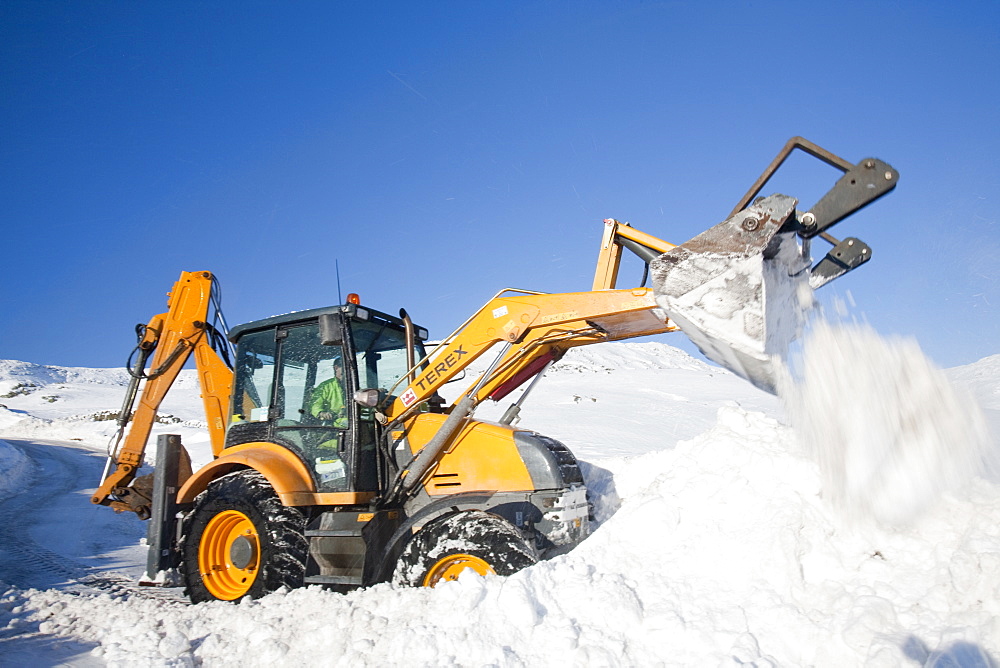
x=619, y=236
x=737, y=291
x=534, y=327
x=540, y=327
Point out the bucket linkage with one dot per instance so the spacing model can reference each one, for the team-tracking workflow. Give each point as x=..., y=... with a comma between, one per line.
x=742, y=289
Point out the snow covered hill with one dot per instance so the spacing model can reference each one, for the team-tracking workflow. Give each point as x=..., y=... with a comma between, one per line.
x=717, y=545
x=983, y=380
x=80, y=404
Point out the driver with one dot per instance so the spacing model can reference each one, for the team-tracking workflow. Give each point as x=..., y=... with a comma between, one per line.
x=327, y=404
x=328, y=399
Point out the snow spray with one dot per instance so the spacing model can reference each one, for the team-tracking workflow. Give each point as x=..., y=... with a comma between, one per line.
x=889, y=431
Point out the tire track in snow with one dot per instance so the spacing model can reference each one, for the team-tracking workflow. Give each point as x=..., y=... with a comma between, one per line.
x=63, y=473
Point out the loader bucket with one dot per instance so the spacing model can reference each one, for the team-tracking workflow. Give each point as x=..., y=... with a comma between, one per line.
x=740, y=290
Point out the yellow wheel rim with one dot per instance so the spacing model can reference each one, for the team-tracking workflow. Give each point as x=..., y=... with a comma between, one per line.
x=450, y=567
x=228, y=555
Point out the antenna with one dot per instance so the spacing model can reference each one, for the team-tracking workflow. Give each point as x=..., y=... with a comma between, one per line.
x=337, y=265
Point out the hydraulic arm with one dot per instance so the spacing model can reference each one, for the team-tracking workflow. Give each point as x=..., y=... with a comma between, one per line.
x=532, y=330
x=170, y=338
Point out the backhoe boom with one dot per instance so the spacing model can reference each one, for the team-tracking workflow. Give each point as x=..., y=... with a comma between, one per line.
x=171, y=338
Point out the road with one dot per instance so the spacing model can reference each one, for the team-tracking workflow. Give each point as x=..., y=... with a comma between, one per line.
x=52, y=537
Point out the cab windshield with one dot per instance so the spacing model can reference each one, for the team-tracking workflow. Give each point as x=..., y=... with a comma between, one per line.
x=380, y=352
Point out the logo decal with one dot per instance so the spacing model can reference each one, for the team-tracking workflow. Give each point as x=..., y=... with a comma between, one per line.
x=434, y=374
x=409, y=398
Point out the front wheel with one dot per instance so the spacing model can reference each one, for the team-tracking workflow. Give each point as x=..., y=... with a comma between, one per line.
x=241, y=541
x=471, y=540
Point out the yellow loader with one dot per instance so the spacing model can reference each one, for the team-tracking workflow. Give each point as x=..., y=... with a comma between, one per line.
x=337, y=462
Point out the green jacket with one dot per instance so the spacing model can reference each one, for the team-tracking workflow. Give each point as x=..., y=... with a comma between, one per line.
x=329, y=397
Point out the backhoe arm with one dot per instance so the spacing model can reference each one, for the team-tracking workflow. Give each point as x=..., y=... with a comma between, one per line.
x=171, y=338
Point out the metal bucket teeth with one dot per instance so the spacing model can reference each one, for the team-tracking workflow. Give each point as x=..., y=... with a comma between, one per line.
x=739, y=290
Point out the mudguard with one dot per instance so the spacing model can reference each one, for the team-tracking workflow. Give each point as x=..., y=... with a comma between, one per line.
x=286, y=473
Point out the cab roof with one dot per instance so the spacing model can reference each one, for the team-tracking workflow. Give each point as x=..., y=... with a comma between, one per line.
x=295, y=317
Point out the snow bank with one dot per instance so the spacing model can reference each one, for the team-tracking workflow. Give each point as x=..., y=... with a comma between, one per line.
x=983, y=378
x=720, y=551
x=8, y=417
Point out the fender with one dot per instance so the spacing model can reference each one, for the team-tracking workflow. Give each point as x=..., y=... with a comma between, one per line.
x=284, y=471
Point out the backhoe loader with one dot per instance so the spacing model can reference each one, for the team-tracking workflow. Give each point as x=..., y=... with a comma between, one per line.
x=336, y=460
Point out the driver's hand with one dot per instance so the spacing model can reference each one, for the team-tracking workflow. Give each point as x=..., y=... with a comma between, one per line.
x=325, y=415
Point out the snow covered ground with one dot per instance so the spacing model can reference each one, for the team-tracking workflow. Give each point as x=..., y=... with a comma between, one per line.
x=723, y=540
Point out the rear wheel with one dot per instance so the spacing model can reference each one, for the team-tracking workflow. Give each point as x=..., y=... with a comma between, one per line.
x=241, y=541
x=469, y=541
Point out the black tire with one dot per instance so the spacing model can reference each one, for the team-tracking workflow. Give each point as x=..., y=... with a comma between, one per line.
x=471, y=539
x=271, y=554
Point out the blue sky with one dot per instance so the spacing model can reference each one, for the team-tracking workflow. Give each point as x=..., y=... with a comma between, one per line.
x=443, y=151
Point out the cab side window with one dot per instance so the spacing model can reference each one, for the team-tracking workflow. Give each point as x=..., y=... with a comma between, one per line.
x=254, y=377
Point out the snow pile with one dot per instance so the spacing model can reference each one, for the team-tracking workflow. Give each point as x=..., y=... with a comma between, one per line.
x=723, y=548
x=720, y=551
x=8, y=418
x=983, y=380
x=889, y=430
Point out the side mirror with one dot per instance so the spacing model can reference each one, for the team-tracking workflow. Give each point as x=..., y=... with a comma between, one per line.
x=331, y=329
x=367, y=398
